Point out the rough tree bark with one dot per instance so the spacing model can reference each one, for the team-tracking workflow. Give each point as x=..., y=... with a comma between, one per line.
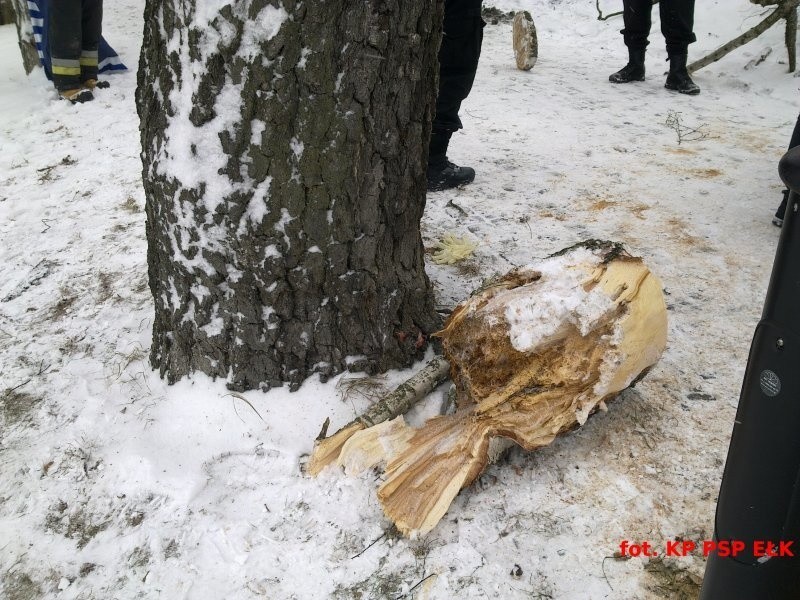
x=27, y=45
x=284, y=152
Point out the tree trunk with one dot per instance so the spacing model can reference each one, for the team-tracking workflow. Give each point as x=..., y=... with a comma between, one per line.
x=27, y=45
x=791, y=38
x=284, y=148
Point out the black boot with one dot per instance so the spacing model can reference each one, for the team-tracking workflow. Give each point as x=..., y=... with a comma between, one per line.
x=678, y=78
x=633, y=71
x=446, y=175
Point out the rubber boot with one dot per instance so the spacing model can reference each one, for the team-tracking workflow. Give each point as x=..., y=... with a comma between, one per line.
x=76, y=96
x=633, y=71
x=678, y=78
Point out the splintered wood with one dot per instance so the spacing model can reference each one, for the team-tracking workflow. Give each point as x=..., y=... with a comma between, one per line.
x=326, y=450
x=532, y=355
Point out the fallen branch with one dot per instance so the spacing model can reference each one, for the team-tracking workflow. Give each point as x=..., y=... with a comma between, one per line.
x=685, y=133
x=759, y=59
x=783, y=11
x=326, y=451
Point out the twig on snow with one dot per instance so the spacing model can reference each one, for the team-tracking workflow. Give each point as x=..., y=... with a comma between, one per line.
x=601, y=17
x=383, y=535
x=246, y=401
x=415, y=586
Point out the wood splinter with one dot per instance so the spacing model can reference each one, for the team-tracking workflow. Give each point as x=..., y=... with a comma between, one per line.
x=326, y=451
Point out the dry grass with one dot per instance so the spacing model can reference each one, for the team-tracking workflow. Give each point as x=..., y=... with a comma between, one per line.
x=669, y=579
x=706, y=173
x=16, y=407
x=19, y=586
x=105, y=286
x=378, y=585
x=130, y=205
x=75, y=525
x=601, y=204
x=60, y=309
x=370, y=389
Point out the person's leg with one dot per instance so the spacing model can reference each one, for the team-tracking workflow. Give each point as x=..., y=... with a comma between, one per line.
x=677, y=23
x=92, y=25
x=65, y=43
x=458, y=62
x=636, y=15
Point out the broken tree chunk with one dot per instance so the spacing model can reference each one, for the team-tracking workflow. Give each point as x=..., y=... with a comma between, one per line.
x=532, y=355
x=526, y=46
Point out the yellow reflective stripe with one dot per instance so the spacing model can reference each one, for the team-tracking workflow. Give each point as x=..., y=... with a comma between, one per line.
x=65, y=70
x=89, y=61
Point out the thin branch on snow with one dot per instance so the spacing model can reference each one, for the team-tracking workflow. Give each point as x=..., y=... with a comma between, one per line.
x=783, y=11
x=684, y=132
x=383, y=535
x=415, y=586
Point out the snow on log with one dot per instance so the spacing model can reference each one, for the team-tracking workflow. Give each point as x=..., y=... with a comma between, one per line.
x=532, y=355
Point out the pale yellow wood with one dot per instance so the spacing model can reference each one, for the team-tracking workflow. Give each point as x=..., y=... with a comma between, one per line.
x=327, y=451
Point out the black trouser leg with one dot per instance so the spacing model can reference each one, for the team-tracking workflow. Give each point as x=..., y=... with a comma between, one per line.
x=458, y=63
x=637, y=20
x=92, y=25
x=65, y=42
x=677, y=22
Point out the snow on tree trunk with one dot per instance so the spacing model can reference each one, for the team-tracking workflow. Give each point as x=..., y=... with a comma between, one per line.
x=284, y=147
x=27, y=45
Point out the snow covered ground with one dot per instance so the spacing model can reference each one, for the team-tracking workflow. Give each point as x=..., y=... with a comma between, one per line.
x=114, y=485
